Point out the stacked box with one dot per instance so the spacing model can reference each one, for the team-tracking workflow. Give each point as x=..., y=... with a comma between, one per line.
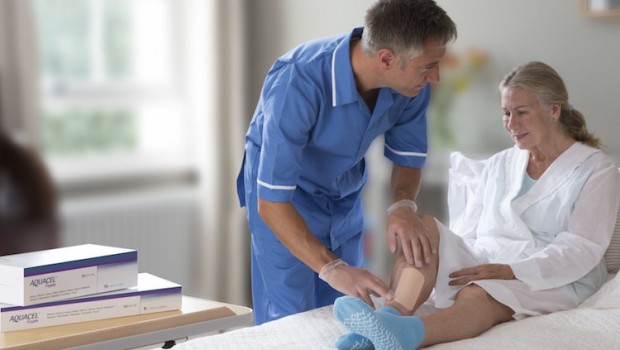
x=78, y=284
x=63, y=273
x=153, y=294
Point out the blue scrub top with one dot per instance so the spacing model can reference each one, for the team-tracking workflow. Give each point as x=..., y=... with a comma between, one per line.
x=309, y=134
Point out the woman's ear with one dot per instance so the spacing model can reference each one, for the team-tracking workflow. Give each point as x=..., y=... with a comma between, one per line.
x=556, y=110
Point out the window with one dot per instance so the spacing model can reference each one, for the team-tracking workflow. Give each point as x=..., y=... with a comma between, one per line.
x=110, y=78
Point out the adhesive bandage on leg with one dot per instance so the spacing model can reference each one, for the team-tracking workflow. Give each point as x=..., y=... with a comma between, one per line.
x=409, y=287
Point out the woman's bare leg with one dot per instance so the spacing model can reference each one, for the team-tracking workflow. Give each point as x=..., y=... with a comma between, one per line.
x=412, y=286
x=473, y=312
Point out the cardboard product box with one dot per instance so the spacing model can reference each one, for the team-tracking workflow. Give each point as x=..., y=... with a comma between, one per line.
x=153, y=294
x=64, y=273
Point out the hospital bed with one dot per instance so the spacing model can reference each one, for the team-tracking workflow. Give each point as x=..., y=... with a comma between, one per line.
x=595, y=324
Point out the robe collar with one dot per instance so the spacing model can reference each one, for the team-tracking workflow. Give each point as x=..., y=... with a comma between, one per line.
x=559, y=172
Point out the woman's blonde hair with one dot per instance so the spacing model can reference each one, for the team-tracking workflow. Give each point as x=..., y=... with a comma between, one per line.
x=542, y=80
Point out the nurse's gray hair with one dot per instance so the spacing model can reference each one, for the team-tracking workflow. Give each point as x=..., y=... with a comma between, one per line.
x=542, y=80
x=404, y=26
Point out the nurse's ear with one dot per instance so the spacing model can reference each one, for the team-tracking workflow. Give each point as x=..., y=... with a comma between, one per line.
x=387, y=59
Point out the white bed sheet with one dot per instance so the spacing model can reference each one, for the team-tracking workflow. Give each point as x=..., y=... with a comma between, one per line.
x=581, y=328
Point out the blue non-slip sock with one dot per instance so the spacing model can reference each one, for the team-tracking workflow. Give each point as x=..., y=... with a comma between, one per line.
x=385, y=328
x=353, y=341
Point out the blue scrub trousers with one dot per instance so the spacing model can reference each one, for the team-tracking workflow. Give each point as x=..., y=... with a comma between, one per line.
x=282, y=285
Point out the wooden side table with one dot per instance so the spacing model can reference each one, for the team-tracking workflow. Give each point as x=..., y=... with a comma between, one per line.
x=197, y=316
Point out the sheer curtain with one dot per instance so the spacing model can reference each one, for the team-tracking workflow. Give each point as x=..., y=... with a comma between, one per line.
x=222, y=97
x=234, y=117
x=19, y=85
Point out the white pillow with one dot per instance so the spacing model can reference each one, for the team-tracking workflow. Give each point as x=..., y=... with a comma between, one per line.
x=609, y=294
x=606, y=297
x=612, y=255
x=463, y=178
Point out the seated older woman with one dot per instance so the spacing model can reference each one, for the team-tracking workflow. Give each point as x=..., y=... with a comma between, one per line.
x=543, y=217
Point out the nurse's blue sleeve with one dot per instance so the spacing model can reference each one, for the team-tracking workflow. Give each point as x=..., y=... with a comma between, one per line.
x=406, y=142
x=289, y=115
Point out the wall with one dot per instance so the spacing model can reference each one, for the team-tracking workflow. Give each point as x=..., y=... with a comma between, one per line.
x=277, y=26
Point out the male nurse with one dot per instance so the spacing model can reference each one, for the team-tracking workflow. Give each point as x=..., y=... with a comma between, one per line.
x=321, y=106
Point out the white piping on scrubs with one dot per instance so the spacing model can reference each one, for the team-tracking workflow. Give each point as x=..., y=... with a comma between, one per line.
x=334, y=78
x=276, y=187
x=402, y=153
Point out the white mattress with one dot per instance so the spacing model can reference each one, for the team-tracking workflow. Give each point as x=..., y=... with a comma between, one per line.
x=581, y=328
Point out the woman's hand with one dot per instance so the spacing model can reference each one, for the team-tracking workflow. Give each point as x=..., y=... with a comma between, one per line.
x=481, y=272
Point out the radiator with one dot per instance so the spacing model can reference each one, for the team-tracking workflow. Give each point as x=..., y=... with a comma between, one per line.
x=162, y=225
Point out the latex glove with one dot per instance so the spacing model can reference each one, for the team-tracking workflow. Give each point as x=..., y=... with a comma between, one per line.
x=481, y=272
x=405, y=229
x=354, y=281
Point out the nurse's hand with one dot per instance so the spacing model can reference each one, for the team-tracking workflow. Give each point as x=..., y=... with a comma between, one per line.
x=357, y=282
x=481, y=272
x=406, y=229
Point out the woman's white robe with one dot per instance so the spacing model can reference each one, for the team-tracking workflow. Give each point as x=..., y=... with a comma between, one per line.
x=553, y=236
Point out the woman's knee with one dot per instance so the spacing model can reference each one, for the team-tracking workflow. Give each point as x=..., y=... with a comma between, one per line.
x=431, y=223
x=474, y=292
x=476, y=296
